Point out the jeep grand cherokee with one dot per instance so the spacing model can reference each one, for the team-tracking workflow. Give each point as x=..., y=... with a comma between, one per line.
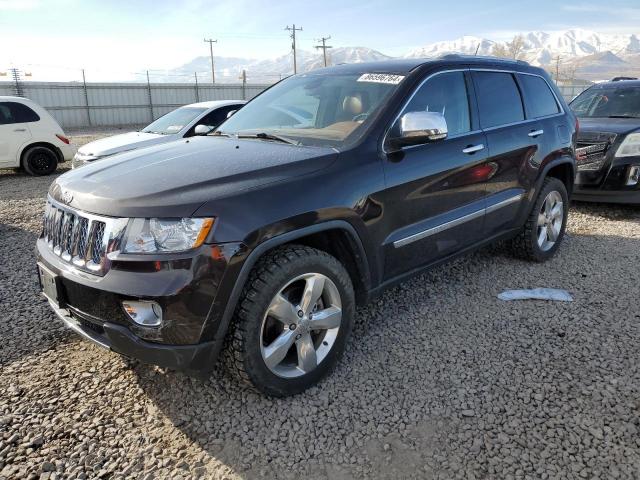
x=322, y=191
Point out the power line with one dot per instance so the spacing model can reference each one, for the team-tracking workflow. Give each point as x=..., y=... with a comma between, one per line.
x=213, y=73
x=293, y=31
x=324, y=47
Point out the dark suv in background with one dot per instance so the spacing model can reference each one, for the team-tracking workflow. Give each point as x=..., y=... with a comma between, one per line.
x=609, y=142
x=264, y=236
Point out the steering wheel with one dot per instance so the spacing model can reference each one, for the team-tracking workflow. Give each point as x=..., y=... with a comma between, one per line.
x=360, y=117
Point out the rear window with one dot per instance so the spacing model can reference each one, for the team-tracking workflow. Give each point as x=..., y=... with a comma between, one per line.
x=499, y=99
x=14, y=112
x=539, y=99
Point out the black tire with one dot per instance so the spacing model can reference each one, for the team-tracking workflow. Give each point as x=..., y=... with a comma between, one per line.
x=39, y=161
x=526, y=245
x=270, y=275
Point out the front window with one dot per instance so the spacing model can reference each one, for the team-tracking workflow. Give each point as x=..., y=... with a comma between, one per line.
x=610, y=101
x=174, y=121
x=316, y=110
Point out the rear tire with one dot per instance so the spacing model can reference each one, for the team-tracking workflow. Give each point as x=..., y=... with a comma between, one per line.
x=39, y=161
x=292, y=321
x=544, y=230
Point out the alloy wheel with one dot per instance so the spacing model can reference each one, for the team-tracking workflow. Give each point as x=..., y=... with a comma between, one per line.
x=301, y=325
x=550, y=219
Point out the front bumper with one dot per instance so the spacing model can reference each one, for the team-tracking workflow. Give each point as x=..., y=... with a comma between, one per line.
x=608, y=185
x=190, y=290
x=190, y=358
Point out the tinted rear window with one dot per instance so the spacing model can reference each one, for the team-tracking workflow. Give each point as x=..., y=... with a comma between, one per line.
x=499, y=99
x=14, y=112
x=539, y=99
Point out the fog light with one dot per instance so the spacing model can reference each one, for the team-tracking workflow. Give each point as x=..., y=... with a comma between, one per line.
x=143, y=312
x=633, y=177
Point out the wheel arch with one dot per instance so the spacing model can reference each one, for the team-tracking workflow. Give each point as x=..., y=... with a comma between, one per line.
x=50, y=146
x=563, y=169
x=310, y=235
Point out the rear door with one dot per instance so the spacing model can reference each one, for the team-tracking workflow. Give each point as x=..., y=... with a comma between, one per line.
x=14, y=130
x=512, y=143
x=435, y=196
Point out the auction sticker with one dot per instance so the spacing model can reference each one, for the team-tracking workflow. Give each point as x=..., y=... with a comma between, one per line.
x=381, y=78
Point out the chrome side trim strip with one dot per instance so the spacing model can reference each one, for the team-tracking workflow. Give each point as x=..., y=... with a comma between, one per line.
x=504, y=203
x=437, y=229
x=458, y=221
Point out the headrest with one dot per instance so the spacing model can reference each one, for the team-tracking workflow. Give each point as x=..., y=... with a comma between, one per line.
x=353, y=104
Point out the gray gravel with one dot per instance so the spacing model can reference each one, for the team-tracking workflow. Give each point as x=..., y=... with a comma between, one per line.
x=440, y=380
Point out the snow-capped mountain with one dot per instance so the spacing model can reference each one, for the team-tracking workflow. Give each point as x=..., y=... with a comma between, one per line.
x=585, y=53
x=541, y=48
x=267, y=71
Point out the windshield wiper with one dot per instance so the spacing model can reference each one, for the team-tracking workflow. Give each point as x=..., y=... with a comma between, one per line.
x=269, y=136
x=623, y=116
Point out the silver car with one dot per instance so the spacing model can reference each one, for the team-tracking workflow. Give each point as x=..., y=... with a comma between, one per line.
x=194, y=119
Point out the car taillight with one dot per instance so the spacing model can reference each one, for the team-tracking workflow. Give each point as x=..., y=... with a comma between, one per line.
x=63, y=138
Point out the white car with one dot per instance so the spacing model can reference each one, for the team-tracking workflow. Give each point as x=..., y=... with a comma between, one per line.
x=30, y=137
x=195, y=119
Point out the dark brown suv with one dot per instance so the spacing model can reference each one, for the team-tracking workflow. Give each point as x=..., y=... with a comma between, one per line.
x=322, y=191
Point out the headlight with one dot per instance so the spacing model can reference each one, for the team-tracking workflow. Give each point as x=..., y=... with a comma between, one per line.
x=158, y=235
x=630, y=146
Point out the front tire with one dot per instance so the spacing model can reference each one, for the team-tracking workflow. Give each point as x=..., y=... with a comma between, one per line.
x=544, y=230
x=39, y=161
x=293, y=320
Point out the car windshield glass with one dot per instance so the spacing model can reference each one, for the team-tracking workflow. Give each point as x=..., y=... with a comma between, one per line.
x=614, y=101
x=174, y=121
x=313, y=110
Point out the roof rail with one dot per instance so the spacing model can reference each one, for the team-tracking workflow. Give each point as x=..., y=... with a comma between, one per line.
x=454, y=56
x=619, y=79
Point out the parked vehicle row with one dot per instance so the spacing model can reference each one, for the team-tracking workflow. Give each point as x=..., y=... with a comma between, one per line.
x=262, y=237
x=184, y=122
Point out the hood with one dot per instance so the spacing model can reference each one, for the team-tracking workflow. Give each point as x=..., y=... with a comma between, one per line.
x=609, y=125
x=174, y=179
x=122, y=143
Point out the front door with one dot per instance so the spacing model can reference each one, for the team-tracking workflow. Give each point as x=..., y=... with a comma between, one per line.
x=435, y=193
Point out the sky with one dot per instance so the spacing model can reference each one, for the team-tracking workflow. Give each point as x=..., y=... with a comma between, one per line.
x=114, y=37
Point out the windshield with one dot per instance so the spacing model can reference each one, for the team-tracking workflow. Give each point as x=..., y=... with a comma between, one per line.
x=611, y=101
x=174, y=121
x=316, y=110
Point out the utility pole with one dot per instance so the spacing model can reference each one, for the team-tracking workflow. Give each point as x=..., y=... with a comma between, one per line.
x=86, y=97
x=324, y=47
x=243, y=77
x=557, y=68
x=211, y=42
x=16, y=75
x=195, y=74
x=293, y=31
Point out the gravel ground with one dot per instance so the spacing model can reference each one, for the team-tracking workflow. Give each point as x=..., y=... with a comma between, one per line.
x=440, y=378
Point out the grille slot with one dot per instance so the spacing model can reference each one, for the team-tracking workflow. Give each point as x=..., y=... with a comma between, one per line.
x=79, y=238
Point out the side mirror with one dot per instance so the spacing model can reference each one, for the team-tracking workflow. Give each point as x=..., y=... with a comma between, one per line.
x=202, y=129
x=417, y=128
x=231, y=113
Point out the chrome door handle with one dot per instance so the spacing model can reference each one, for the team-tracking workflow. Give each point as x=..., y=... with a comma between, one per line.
x=535, y=133
x=20, y=130
x=473, y=148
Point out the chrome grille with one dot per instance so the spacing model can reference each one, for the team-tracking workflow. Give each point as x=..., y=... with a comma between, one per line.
x=592, y=148
x=81, y=239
